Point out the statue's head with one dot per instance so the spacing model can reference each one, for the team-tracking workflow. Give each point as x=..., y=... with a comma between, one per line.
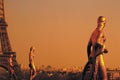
x=101, y=22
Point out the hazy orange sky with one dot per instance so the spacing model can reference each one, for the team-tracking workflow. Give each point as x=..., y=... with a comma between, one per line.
x=60, y=30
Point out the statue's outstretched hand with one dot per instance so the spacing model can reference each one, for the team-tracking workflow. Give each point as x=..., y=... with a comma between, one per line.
x=105, y=51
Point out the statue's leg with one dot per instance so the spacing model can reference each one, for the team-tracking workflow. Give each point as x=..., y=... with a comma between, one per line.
x=95, y=72
x=102, y=69
x=31, y=74
x=87, y=72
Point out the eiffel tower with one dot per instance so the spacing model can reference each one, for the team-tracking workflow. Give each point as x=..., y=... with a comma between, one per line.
x=5, y=47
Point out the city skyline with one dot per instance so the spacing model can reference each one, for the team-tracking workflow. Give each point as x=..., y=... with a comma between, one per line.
x=60, y=30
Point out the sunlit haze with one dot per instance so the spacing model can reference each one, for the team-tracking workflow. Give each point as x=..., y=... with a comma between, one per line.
x=60, y=30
